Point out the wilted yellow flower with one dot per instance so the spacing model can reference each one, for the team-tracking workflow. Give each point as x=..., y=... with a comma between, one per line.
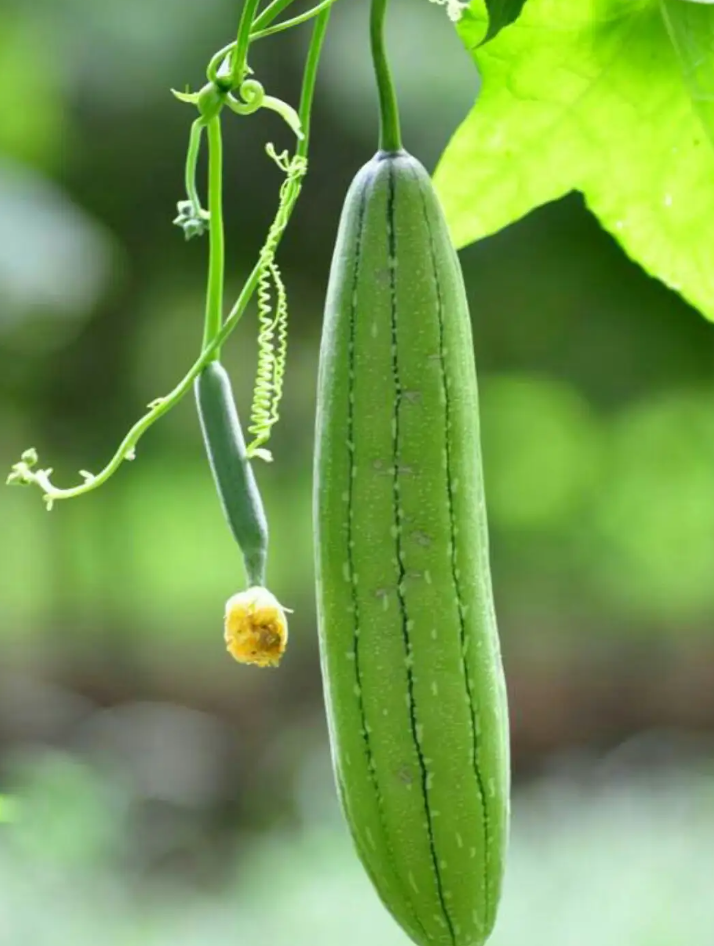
x=256, y=628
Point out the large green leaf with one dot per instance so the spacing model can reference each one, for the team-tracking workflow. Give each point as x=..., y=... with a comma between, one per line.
x=502, y=13
x=691, y=28
x=607, y=97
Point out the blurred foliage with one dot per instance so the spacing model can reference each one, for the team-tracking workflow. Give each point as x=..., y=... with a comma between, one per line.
x=54, y=261
x=33, y=120
x=593, y=856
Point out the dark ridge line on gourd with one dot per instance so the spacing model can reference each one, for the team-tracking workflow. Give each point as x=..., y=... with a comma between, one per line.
x=396, y=491
x=454, y=570
x=351, y=449
x=365, y=860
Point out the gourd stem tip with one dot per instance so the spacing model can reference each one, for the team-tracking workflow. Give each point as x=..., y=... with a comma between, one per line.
x=390, y=137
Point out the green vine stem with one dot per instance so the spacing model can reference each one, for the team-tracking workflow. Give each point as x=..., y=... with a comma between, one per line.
x=390, y=138
x=194, y=148
x=192, y=218
x=217, y=250
x=270, y=13
x=288, y=24
x=239, y=67
x=260, y=30
x=24, y=471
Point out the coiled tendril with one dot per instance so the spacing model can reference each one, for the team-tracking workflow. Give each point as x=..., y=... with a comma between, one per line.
x=273, y=321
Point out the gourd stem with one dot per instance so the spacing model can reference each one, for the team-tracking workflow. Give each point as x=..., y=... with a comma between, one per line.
x=390, y=136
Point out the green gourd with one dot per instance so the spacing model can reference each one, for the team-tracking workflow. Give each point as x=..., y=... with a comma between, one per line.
x=232, y=473
x=410, y=654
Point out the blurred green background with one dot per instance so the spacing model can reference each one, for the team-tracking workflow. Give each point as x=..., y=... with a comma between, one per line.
x=152, y=792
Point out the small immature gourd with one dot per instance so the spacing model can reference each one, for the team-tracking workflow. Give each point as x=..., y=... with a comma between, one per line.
x=232, y=473
x=255, y=625
x=410, y=654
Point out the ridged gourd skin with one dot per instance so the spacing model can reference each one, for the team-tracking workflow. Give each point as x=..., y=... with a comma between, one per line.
x=411, y=663
x=232, y=473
